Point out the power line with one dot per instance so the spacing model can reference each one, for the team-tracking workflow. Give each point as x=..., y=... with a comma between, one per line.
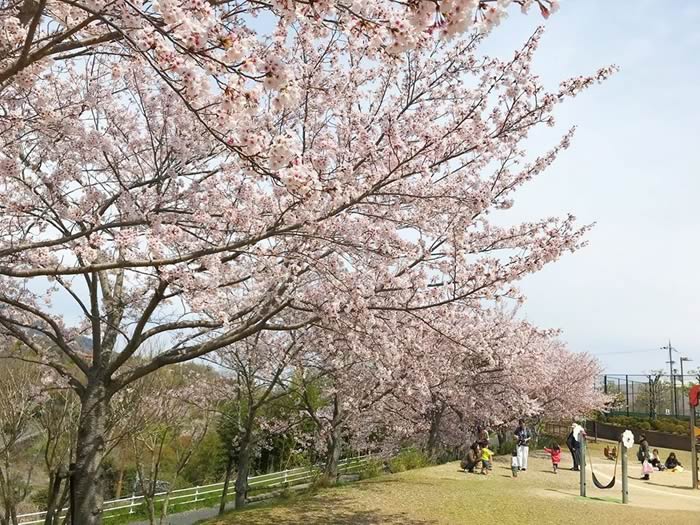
x=628, y=352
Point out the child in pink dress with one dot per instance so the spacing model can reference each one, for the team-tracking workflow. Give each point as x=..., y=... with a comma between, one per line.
x=555, y=452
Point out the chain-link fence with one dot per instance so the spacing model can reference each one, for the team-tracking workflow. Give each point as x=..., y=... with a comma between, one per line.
x=652, y=395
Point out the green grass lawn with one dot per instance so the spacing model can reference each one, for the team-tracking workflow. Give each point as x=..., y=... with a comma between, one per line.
x=445, y=495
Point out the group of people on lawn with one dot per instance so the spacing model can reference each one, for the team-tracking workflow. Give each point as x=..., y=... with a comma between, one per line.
x=652, y=462
x=479, y=457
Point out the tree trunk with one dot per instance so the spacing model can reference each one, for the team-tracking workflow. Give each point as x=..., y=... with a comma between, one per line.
x=330, y=470
x=243, y=466
x=54, y=500
x=434, y=432
x=502, y=437
x=87, y=477
x=227, y=481
x=119, y=485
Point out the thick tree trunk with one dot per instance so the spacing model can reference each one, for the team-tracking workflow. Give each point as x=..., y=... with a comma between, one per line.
x=434, y=433
x=330, y=470
x=243, y=467
x=87, y=477
x=227, y=481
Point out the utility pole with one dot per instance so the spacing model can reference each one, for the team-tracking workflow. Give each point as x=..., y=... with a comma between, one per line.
x=671, y=362
x=683, y=359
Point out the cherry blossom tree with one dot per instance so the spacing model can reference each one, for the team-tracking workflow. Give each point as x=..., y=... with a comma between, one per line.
x=493, y=371
x=202, y=181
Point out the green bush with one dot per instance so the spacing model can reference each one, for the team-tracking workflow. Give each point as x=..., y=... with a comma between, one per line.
x=373, y=469
x=40, y=498
x=414, y=458
x=408, y=459
x=396, y=465
x=665, y=424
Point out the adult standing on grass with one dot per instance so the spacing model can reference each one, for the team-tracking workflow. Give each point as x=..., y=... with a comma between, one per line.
x=523, y=435
x=482, y=436
x=643, y=457
x=574, y=445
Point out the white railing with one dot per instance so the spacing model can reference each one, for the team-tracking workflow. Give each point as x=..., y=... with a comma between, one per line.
x=134, y=503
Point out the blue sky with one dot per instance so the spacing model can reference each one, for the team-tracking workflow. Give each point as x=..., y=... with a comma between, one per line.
x=631, y=169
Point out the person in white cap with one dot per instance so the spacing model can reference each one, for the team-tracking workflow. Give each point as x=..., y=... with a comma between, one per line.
x=574, y=444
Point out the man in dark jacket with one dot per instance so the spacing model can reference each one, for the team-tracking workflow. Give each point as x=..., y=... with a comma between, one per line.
x=574, y=448
x=523, y=436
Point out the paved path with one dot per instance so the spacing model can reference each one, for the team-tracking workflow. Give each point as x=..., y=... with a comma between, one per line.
x=189, y=517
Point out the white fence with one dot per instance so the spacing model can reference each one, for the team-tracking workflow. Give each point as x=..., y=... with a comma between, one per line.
x=285, y=478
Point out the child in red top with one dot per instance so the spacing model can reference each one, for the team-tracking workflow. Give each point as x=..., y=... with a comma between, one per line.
x=555, y=452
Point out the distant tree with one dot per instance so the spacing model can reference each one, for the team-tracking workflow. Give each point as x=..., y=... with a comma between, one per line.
x=20, y=398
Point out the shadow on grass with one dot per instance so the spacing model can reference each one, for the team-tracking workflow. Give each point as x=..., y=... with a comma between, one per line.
x=681, y=487
x=594, y=498
x=332, y=509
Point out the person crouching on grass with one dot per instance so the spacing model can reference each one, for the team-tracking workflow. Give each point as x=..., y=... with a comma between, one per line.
x=486, y=456
x=555, y=453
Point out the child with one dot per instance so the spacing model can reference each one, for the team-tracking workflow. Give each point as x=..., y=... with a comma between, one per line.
x=613, y=453
x=673, y=464
x=514, y=464
x=486, y=456
x=656, y=460
x=555, y=452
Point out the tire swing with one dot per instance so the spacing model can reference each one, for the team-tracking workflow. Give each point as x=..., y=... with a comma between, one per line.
x=596, y=482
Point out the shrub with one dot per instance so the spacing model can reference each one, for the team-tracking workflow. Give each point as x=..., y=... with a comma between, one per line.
x=396, y=464
x=665, y=424
x=373, y=469
x=40, y=498
x=414, y=458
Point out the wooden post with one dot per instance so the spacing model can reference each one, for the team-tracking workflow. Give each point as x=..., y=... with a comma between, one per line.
x=582, y=438
x=71, y=479
x=625, y=479
x=694, y=446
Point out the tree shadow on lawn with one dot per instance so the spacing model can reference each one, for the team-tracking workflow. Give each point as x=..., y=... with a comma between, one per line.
x=578, y=496
x=681, y=487
x=330, y=509
x=368, y=483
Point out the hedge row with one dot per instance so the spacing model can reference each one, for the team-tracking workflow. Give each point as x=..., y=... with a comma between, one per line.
x=668, y=425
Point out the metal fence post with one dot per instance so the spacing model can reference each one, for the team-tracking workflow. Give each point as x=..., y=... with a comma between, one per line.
x=627, y=393
x=625, y=479
x=694, y=446
x=605, y=385
x=582, y=466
